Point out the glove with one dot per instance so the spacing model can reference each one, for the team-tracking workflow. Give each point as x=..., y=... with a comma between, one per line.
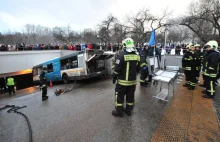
x=114, y=80
x=145, y=68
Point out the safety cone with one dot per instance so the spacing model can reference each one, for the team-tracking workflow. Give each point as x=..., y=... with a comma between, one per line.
x=51, y=85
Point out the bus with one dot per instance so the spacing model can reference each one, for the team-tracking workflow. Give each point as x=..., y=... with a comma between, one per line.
x=76, y=66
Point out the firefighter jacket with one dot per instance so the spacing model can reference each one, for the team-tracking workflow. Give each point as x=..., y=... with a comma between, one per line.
x=213, y=64
x=43, y=80
x=189, y=61
x=143, y=57
x=126, y=68
x=205, y=63
x=115, y=58
x=199, y=59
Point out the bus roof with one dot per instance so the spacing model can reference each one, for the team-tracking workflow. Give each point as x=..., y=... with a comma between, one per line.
x=39, y=65
x=72, y=55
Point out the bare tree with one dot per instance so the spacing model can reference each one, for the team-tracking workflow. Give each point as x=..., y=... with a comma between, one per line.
x=178, y=34
x=105, y=32
x=141, y=24
x=204, y=19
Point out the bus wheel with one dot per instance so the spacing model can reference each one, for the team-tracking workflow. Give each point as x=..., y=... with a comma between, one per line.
x=65, y=78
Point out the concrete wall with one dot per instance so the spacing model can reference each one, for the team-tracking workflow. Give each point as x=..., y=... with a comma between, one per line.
x=22, y=60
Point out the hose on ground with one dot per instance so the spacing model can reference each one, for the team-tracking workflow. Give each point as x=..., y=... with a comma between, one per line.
x=14, y=109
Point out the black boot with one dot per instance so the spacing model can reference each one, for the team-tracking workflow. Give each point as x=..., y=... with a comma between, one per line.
x=45, y=98
x=204, y=91
x=185, y=85
x=191, y=88
x=143, y=84
x=117, y=114
x=127, y=112
x=207, y=96
x=202, y=85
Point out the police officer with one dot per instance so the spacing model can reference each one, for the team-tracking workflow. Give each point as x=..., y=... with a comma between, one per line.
x=213, y=61
x=43, y=83
x=189, y=66
x=199, y=59
x=126, y=68
x=143, y=52
x=10, y=84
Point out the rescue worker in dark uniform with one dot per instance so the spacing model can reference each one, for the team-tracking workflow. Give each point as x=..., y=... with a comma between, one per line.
x=189, y=66
x=143, y=52
x=199, y=59
x=43, y=84
x=125, y=73
x=213, y=62
x=204, y=68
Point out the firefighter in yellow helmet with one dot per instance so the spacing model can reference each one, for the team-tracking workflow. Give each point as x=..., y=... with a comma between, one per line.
x=189, y=67
x=212, y=69
x=125, y=72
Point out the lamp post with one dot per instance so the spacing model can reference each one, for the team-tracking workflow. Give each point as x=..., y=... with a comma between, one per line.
x=98, y=41
x=165, y=43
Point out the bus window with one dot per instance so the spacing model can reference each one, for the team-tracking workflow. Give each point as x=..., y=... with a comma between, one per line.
x=73, y=63
x=50, y=68
x=64, y=64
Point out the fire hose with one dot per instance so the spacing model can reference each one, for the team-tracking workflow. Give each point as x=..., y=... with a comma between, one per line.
x=14, y=109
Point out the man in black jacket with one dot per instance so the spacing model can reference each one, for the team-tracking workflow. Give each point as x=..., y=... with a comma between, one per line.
x=189, y=67
x=143, y=53
x=43, y=83
x=199, y=60
x=213, y=61
x=125, y=72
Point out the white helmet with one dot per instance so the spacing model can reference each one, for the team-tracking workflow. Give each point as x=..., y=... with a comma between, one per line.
x=213, y=44
x=128, y=44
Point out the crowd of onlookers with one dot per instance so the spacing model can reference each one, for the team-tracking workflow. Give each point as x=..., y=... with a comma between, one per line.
x=78, y=47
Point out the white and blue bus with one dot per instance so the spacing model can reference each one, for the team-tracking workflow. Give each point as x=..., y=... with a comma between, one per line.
x=77, y=66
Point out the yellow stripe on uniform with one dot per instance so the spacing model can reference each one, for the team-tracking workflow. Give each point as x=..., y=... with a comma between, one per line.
x=127, y=70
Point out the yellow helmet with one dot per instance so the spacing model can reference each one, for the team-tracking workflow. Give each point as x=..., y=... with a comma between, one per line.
x=197, y=45
x=128, y=44
x=190, y=46
x=213, y=44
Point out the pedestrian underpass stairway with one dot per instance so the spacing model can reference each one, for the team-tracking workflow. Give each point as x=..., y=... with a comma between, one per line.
x=189, y=118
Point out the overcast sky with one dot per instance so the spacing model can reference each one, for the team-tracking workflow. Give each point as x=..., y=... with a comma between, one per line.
x=80, y=14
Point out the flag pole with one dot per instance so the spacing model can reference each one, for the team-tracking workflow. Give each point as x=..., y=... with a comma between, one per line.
x=154, y=51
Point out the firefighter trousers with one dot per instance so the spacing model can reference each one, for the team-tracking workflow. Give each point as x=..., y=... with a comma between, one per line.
x=192, y=79
x=44, y=92
x=187, y=76
x=198, y=69
x=120, y=92
x=210, y=86
x=144, y=75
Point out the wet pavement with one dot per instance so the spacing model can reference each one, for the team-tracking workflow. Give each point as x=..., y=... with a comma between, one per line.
x=84, y=114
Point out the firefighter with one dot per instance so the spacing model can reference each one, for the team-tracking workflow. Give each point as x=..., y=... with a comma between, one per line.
x=10, y=84
x=189, y=66
x=199, y=59
x=43, y=83
x=213, y=61
x=143, y=52
x=126, y=68
x=204, y=68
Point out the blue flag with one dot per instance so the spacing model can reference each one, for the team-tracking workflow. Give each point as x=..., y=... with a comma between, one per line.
x=152, y=38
